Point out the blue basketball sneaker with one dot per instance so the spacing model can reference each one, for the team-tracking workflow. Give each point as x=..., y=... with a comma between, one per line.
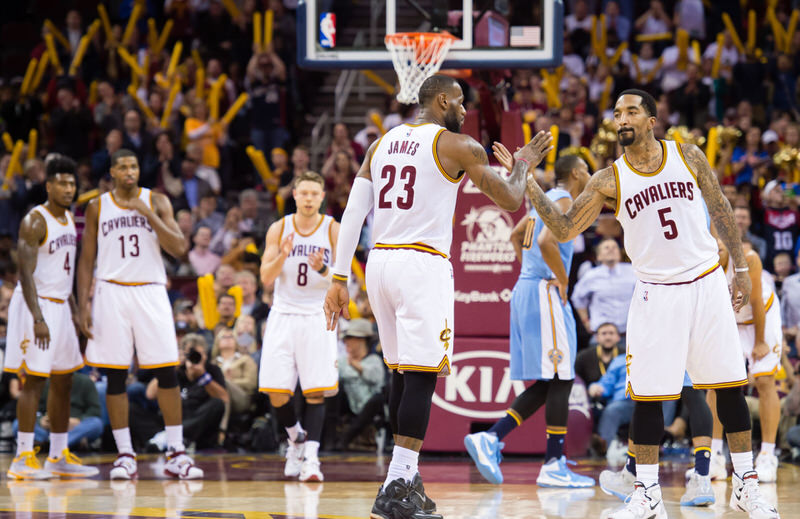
x=484, y=449
x=557, y=474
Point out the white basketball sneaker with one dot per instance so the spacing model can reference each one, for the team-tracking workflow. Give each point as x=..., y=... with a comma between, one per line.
x=294, y=456
x=26, y=466
x=746, y=497
x=309, y=471
x=642, y=503
x=124, y=467
x=698, y=491
x=617, y=483
x=767, y=467
x=718, y=469
x=179, y=465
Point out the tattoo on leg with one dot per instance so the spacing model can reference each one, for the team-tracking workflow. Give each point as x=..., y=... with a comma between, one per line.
x=740, y=441
x=646, y=454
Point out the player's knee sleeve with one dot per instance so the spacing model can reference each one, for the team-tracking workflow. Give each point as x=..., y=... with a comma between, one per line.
x=556, y=409
x=116, y=381
x=395, y=396
x=415, y=407
x=732, y=410
x=286, y=414
x=648, y=423
x=700, y=419
x=167, y=377
x=530, y=400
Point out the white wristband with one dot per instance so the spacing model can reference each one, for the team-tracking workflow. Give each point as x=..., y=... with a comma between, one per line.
x=740, y=270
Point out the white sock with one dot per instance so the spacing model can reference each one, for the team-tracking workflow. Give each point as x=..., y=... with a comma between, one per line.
x=122, y=437
x=647, y=474
x=175, y=438
x=716, y=445
x=58, y=442
x=24, y=442
x=293, y=431
x=403, y=465
x=311, y=450
x=742, y=462
x=768, y=448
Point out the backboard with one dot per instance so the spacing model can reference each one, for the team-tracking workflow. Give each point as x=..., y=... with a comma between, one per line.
x=492, y=33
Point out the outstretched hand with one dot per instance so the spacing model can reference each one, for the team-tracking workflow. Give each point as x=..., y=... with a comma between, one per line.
x=503, y=156
x=537, y=149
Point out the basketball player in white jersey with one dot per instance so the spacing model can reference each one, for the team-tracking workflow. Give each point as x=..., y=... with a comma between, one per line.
x=761, y=339
x=681, y=317
x=298, y=258
x=411, y=178
x=125, y=231
x=42, y=342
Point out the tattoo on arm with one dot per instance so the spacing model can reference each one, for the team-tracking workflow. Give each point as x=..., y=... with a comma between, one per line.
x=718, y=206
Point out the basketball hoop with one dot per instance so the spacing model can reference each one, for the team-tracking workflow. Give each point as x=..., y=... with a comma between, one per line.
x=416, y=57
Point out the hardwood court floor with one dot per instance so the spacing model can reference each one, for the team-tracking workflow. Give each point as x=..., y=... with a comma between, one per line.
x=254, y=487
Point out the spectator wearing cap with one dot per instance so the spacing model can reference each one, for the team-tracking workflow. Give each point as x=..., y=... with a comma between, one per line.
x=770, y=141
x=779, y=226
x=361, y=378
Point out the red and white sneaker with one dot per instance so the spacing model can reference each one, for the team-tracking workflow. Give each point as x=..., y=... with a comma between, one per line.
x=124, y=467
x=180, y=465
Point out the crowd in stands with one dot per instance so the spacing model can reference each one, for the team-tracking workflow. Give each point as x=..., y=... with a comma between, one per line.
x=171, y=91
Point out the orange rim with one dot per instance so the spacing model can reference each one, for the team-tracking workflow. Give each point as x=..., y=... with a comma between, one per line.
x=421, y=38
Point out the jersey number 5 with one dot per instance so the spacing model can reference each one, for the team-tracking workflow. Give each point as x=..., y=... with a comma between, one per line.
x=409, y=175
x=672, y=230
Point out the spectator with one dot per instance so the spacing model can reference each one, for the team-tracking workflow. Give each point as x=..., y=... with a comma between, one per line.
x=691, y=99
x=101, y=159
x=239, y=370
x=205, y=172
x=790, y=304
x=604, y=293
x=164, y=168
x=301, y=159
x=207, y=214
x=135, y=138
x=784, y=77
x=254, y=221
x=225, y=237
x=266, y=74
x=202, y=259
x=579, y=19
x=85, y=423
x=250, y=302
x=729, y=56
x=781, y=269
x=194, y=188
x=342, y=142
x=741, y=214
x=108, y=112
x=339, y=170
x=200, y=130
x=70, y=123
x=749, y=163
x=654, y=21
x=592, y=363
x=369, y=133
x=780, y=225
x=246, y=334
x=617, y=22
x=361, y=375
x=226, y=307
x=690, y=16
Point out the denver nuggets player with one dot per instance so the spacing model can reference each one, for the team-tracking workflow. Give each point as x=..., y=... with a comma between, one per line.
x=298, y=255
x=543, y=340
x=681, y=317
x=41, y=335
x=411, y=178
x=125, y=231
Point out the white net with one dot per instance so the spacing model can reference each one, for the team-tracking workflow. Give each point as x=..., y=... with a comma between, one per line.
x=416, y=57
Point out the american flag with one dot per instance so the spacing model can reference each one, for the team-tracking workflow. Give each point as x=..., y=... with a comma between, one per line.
x=526, y=36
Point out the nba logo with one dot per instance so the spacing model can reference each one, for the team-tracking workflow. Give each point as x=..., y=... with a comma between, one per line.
x=327, y=30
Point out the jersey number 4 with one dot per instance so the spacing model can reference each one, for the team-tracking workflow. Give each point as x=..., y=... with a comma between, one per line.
x=407, y=174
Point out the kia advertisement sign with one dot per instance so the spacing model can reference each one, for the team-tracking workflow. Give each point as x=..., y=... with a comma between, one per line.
x=478, y=392
x=484, y=264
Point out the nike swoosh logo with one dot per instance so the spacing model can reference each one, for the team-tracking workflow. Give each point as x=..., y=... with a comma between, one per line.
x=559, y=477
x=737, y=494
x=654, y=505
x=482, y=457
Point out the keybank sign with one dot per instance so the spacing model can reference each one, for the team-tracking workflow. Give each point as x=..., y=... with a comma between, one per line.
x=479, y=385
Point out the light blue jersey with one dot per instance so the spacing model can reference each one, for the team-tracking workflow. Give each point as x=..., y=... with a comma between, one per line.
x=543, y=341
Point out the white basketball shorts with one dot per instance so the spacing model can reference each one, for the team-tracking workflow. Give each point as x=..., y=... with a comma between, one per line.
x=131, y=318
x=412, y=296
x=298, y=346
x=773, y=336
x=683, y=327
x=63, y=354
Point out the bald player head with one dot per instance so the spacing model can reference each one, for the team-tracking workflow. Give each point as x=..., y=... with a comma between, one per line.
x=441, y=98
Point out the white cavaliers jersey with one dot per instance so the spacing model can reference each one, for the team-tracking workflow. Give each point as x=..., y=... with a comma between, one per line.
x=55, y=259
x=745, y=314
x=414, y=198
x=128, y=252
x=665, y=220
x=299, y=289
